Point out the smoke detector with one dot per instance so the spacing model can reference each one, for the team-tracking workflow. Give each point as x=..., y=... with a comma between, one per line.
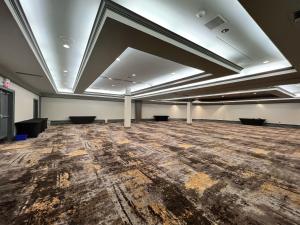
x=201, y=14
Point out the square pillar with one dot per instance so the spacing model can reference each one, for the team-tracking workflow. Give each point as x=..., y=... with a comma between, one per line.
x=189, y=118
x=127, y=111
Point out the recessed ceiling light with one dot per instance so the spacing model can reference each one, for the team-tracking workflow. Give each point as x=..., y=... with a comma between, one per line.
x=133, y=75
x=254, y=93
x=109, y=78
x=173, y=73
x=224, y=30
x=113, y=85
x=223, y=96
x=65, y=71
x=265, y=62
x=134, y=82
x=66, y=46
x=118, y=59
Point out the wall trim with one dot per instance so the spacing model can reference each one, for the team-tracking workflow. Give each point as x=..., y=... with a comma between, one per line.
x=282, y=125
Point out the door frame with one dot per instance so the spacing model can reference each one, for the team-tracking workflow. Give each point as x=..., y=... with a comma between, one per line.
x=36, y=104
x=11, y=112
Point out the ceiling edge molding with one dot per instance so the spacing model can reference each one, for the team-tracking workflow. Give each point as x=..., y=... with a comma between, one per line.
x=257, y=101
x=92, y=41
x=20, y=18
x=216, y=83
x=285, y=93
x=82, y=97
x=157, y=28
x=180, y=81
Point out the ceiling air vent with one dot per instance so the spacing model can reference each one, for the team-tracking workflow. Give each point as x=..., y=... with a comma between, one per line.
x=297, y=16
x=217, y=21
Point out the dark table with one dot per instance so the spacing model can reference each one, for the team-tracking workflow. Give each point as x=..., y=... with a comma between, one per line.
x=32, y=127
x=82, y=119
x=161, y=118
x=252, y=121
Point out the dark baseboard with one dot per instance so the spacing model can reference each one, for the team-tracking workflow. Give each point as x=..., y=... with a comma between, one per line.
x=238, y=122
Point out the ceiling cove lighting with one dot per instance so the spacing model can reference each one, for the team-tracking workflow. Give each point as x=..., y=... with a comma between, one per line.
x=213, y=82
x=49, y=21
x=149, y=77
x=192, y=25
x=230, y=93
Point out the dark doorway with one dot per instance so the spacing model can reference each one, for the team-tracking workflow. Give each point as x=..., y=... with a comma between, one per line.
x=6, y=114
x=35, y=108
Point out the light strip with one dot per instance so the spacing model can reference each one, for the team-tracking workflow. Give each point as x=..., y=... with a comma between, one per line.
x=231, y=93
x=236, y=101
x=251, y=100
x=212, y=82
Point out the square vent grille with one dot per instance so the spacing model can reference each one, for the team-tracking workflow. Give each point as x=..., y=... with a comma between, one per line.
x=217, y=21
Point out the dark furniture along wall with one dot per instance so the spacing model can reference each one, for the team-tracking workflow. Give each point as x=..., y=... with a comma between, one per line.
x=82, y=119
x=161, y=118
x=32, y=127
x=251, y=121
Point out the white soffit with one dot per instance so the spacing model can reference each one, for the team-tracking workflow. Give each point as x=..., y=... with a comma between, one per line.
x=61, y=29
x=292, y=88
x=244, y=44
x=138, y=70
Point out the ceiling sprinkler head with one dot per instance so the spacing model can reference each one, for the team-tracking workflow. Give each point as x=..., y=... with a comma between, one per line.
x=201, y=14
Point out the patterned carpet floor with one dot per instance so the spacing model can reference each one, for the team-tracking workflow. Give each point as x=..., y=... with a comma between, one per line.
x=153, y=173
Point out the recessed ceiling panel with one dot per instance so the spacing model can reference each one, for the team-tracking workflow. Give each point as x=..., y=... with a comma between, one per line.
x=223, y=27
x=61, y=29
x=137, y=70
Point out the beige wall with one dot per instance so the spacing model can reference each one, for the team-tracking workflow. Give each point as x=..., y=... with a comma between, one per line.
x=61, y=109
x=284, y=113
x=174, y=111
x=23, y=102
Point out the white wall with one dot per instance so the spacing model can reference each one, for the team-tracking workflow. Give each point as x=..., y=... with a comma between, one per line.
x=174, y=111
x=23, y=102
x=284, y=113
x=61, y=109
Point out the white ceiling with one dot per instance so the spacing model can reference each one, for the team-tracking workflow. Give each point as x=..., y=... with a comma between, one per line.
x=245, y=44
x=56, y=23
x=137, y=70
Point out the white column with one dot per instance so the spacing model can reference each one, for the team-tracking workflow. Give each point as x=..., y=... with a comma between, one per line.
x=189, y=113
x=127, y=111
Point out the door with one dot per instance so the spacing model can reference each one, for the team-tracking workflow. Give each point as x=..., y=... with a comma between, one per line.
x=35, y=108
x=4, y=117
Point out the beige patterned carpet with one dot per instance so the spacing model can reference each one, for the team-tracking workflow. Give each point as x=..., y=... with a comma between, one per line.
x=154, y=173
